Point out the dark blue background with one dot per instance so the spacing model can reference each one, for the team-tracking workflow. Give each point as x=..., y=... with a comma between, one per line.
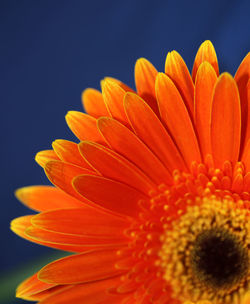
x=52, y=50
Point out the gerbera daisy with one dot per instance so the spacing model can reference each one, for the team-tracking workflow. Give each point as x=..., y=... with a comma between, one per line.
x=154, y=201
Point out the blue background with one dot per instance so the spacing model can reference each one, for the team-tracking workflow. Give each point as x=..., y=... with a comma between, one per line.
x=52, y=50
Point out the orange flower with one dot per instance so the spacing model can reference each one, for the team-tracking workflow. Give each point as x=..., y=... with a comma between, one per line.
x=155, y=198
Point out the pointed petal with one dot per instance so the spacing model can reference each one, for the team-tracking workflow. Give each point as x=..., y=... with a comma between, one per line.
x=204, y=87
x=43, y=157
x=86, y=242
x=61, y=175
x=114, y=166
x=43, y=198
x=175, y=116
x=84, y=221
x=83, y=126
x=145, y=75
x=207, y=53
x=125, y=87
x=111, y=195
x=242, y=77
x=80, y=268
x=113, y=97
x=21, y=224
x=225, y=121
x=142, y=118
x=126, y=143
x=32, y=286
x=93, y=103
x=89, y=293
x=68, y=152
x=177, y=70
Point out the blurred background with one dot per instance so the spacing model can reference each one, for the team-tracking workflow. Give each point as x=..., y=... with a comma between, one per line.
x=51, y=50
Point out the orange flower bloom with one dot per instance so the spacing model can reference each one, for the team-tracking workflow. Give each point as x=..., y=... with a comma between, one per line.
x=154, y=201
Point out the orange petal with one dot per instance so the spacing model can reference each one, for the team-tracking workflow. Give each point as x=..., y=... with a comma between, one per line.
x=111, y=195
x=114, y=166
x=204, y=86
x=32, y=286
x=85, y=221
x=83, y=126
x=177, y=70
x=142, y=118
x=242, y=77
x=207, y=53
x=39, y=296
x=81, y=268
x=43, y=157
x=225, y=121
x=68, y=152
x=93, y=103
x=126, y=143
x=89, y=293
x=21, y=224
x=120, y=83
x=61, y=175
x=43, y=198
x=175, y=116
x=246, y=156
x=145, y=75
x=113, y=97
x=86, y=241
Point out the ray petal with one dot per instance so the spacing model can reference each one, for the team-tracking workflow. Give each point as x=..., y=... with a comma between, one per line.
x=111, y=195
x=204, y=86
x=43, y=198
x=126, y=143
x=114, y=166
x=68, y=152
x=242, y=77
x=83, y=126
x=93, y=103
x=150, y=130
x=177, y=70
x=225, y=121
x=80, y=268
x=207, y=53
x=145, y=75
x=84, y=221
x=44, y=156
x=176, y=117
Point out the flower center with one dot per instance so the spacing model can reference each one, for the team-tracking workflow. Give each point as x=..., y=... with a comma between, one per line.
x=218, y=258
x=206, y=251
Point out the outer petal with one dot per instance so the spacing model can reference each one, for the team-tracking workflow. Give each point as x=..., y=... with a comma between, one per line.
x=242, y=77
x=68, y=152
x=204, y=87
x=177, y=70
x=207, y=53
x=126, y=143
x=93, y=103
x=81, y=268
x=83, y=126
x=111, y=195
x=114, y=166
x=125, y=87
x=113, y=97
x=149, y=129
x=84, y=221
x=44, y=156
x=145, y=75
x=89, y=293
x=43, y=198
x=226, y=121
x=61, y=175
x=175, y=116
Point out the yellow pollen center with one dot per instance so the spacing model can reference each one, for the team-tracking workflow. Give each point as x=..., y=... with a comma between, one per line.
x=205, y=253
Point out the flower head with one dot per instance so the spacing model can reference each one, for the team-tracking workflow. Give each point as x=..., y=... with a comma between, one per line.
x=155, y=199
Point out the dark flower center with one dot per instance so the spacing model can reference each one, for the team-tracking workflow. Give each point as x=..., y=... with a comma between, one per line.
x=219, y=259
